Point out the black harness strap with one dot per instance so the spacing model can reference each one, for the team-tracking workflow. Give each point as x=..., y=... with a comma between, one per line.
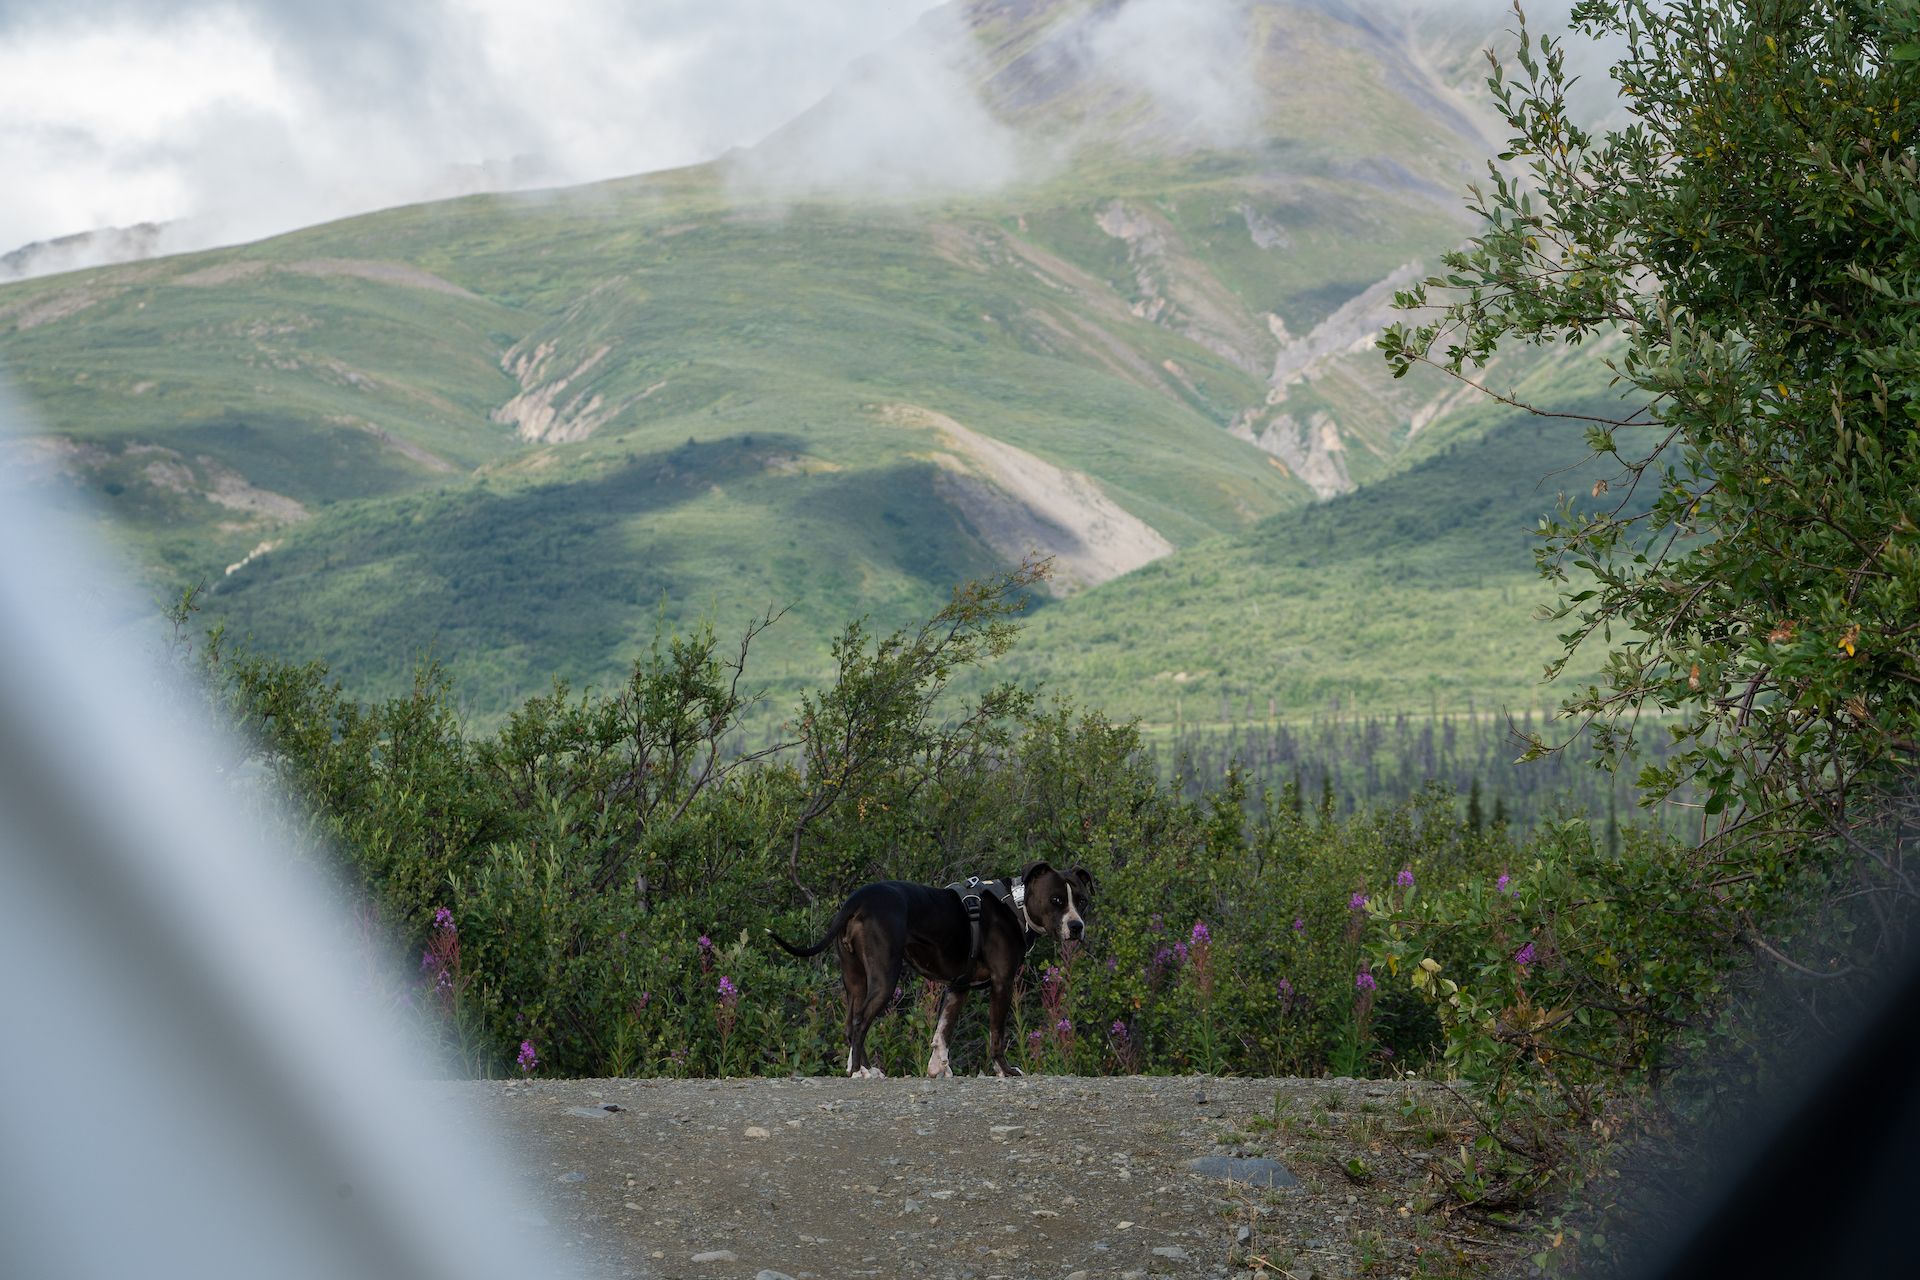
x=1010, y=892
x=969, y=899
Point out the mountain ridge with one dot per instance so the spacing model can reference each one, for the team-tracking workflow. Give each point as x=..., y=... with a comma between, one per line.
x=515, y=430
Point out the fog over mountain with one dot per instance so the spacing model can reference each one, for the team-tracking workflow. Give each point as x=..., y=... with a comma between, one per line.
x=239, y=119
x=226, y=121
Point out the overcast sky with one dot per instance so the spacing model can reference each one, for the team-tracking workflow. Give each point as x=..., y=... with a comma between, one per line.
x=255, y=116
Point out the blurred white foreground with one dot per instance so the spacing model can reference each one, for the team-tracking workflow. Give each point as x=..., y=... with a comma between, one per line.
x=189, y=1083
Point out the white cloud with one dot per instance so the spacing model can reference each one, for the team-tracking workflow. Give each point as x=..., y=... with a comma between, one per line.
x=254, y=116
x=902, y=125
x=1193, y=58
x=235, y=119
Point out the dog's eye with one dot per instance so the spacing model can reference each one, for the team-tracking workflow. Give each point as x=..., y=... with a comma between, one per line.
x=1059, y=902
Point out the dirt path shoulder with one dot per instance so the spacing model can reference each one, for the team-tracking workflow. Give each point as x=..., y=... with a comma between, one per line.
x=979, y=1179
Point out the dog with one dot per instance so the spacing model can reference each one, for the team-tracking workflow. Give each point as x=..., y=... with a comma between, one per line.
x=886, y=926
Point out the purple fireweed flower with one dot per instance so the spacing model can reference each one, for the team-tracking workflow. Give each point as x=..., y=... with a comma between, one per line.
x=1052, y=977
x=1163, y=957
x=1358, y=902
x=728, y=991
x=443, y=920
x=1155, y=924
x=1524, y=956
x=1285, y=989
x=1502, y=885
x=1363, y=981
x=528, y=1059
x=1118, y=1030
x=706, y=943
x=1064, y=1026
x=1299, y=925
x=1201, y=934
x=1180, y=949
x=1405, y=878
x=1033, y=1039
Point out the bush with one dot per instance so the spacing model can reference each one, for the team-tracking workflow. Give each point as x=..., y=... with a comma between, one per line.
x=590, y=887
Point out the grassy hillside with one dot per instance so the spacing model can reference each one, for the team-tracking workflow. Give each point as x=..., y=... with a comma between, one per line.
x=518, y=432
x=1414, y=593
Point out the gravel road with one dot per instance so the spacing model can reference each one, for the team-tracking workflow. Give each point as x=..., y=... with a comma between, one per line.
x=977, y=1178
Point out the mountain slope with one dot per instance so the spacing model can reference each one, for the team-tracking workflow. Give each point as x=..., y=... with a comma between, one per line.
x=518, y=432
x=1418, y=591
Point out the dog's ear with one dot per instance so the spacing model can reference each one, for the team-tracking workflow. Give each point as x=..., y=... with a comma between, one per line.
x=1035, y=871
x=1084, y=878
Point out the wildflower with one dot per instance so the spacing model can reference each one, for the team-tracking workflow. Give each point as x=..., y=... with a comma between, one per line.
x=726, y=1011
x=1180, y=949
x=443, y=920
x=1299, y=925
x=1113, y=962
x=1405, y=878
x=1051, y=978
x=1503, y=884
x=1358, y=902
x=1163, y=958
x=1155, y=924
x=706, y=943
x=1063, y=1027
x=1201, y=934
x=1118, y=1030
x=528, y=1059
x=1285, y=990
x=1364, y=981
x=1524, y=956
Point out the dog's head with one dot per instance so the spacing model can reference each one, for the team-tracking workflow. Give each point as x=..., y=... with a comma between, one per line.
x=1057, y=901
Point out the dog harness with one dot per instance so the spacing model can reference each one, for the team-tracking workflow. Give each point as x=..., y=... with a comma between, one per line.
x=1013, y=893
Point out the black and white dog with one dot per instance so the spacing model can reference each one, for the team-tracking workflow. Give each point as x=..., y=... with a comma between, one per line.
x=884, y=927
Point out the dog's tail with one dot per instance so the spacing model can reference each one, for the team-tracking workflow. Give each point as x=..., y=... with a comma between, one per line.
x=834, y=927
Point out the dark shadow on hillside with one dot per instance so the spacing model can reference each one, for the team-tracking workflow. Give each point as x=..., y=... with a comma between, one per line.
x=897, y=514
x=545, y=572
x=298, y=455
x=510, y=586
x=1477, y=503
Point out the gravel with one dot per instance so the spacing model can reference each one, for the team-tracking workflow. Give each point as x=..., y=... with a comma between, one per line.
x=970, y=1178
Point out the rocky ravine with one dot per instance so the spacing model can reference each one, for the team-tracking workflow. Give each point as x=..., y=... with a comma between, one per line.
x=979, y=1178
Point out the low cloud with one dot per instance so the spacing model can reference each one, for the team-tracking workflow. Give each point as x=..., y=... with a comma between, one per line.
x=227, y=120
x=1195, y=62
x=234, y=120
x=903, y=123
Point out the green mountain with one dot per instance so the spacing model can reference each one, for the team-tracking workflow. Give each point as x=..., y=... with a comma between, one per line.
x=1045, y=276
